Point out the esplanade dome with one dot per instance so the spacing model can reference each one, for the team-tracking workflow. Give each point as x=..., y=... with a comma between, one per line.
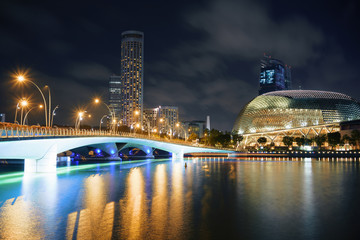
x=295, y=108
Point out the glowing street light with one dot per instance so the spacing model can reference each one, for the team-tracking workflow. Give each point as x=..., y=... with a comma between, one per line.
x=112, y=113
x=23, y=104
x=21, y=78
x=27, y=113
x=79, y=118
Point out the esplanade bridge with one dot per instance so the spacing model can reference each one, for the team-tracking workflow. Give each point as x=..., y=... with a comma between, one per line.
x=40, y=146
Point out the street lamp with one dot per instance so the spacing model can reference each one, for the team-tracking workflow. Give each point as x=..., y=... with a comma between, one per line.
x=101, y=121
x=178, y=125
x=23, y=104
x=21, y=78
x=52, y=115
x=112, y=113
x=78, y=119
x=166, y=121
x=27, y=113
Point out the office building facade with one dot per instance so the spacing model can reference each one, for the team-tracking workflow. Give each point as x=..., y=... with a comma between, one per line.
x=132, y=73
x=115, y=89
x=274, y=75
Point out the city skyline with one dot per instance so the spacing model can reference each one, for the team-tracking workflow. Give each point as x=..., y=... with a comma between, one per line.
x=200, y=59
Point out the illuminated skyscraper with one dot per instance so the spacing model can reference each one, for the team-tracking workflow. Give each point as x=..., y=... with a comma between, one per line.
x=274, y=75
x=115, y=94
x=132, y=65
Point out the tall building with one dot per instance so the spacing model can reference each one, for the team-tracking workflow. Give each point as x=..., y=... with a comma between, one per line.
x=132, y=65
x=163, y=118
x=170, y=115
x=274, y=75
x=150, y=118
x=115, y=94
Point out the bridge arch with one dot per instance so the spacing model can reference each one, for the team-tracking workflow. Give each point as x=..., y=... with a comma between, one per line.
x=40, y=154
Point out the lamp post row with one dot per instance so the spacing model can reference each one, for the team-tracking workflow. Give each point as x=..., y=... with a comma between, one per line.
x=49, y=115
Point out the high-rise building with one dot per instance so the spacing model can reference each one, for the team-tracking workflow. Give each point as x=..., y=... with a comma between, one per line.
x=274, y=75
x=151, y=116
x=115, y=94
x=170, y=115
x=132, y=65
x=164, y=118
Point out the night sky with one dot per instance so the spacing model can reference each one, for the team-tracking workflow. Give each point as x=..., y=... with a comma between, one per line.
x=202, y=56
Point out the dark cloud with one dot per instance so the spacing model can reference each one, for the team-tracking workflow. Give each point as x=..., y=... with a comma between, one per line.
x=89, y=71
x=245, y=29
x=202, y=56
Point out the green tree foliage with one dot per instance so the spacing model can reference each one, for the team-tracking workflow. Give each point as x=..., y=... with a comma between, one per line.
x=320, y=140
x=346, y=139
x=224, y=139
x=193, y=136
x=334, y=139
x=355, y=137
x=262, y=140
x=288, y=141
x=237, y=138
x=300, y=141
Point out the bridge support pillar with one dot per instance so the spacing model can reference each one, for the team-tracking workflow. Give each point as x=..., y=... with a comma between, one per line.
x=46, y=164
x=149, y=151
x=178, y=155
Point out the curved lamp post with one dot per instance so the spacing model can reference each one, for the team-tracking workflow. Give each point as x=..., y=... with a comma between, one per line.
x=111, y=111
x=182, y=128
x=21, y=78
x=27, y=113
x=101, y=121
x=52, y=115
x=166, y=125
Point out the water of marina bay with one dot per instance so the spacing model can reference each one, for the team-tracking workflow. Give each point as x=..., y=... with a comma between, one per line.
x=212, y=198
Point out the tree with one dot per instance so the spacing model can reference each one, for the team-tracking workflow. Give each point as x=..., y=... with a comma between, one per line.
x=346, y=139
x=300, y=141
x=193, y=136
x=334, y=139
x=224, y=139
x=237, y=138
x=288, y=141
x=262, y=140
x=355, y=135
x=214, y=137
x=319, y=140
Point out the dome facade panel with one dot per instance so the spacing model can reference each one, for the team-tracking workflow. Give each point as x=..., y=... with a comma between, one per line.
x=293, y=109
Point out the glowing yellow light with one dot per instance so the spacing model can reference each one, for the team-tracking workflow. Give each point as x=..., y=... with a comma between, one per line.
x=137, y=125
x=161, y=119
x=41, y=106
x=20, y=78
x=89, y=116
x=24, y=103
x=80, y=114
x=177, y=124
x=114, y=121
x=97, y=100
x=137, y=112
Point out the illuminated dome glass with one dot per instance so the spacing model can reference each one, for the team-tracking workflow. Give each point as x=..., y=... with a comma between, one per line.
x=295, y=108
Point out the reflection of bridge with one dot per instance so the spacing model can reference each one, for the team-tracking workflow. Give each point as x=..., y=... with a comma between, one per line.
x=39, y=146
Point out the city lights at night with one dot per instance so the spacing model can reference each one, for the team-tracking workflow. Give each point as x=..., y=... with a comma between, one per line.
x=218, y=119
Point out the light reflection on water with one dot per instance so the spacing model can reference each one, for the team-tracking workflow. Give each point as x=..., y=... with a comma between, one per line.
x=211, y=198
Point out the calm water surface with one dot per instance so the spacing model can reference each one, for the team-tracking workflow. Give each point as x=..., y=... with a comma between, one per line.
x=213, y=198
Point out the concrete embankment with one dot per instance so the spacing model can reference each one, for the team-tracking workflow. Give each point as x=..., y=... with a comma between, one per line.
x=301, y=154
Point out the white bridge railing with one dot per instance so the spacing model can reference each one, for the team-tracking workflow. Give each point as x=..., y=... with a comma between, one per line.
x=15, y=131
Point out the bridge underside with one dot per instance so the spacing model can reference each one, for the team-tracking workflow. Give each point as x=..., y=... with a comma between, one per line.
x=41, y=154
